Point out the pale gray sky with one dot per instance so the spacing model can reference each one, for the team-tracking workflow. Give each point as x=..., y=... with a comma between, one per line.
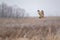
x=50, y=7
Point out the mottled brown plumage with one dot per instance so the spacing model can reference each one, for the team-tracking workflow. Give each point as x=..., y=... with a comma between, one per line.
x=41, y=13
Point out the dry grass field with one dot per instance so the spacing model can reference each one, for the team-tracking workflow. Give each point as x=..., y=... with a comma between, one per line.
x=47, y=28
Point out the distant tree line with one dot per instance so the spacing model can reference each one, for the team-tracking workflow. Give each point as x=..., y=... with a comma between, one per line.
x=11, y=12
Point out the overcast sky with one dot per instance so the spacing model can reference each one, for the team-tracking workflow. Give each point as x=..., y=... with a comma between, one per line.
x=50, y=7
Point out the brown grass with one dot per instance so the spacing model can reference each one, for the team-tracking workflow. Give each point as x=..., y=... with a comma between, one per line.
x=30, y=29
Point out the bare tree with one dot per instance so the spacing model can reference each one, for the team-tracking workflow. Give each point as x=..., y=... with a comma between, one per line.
x=11, y=12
